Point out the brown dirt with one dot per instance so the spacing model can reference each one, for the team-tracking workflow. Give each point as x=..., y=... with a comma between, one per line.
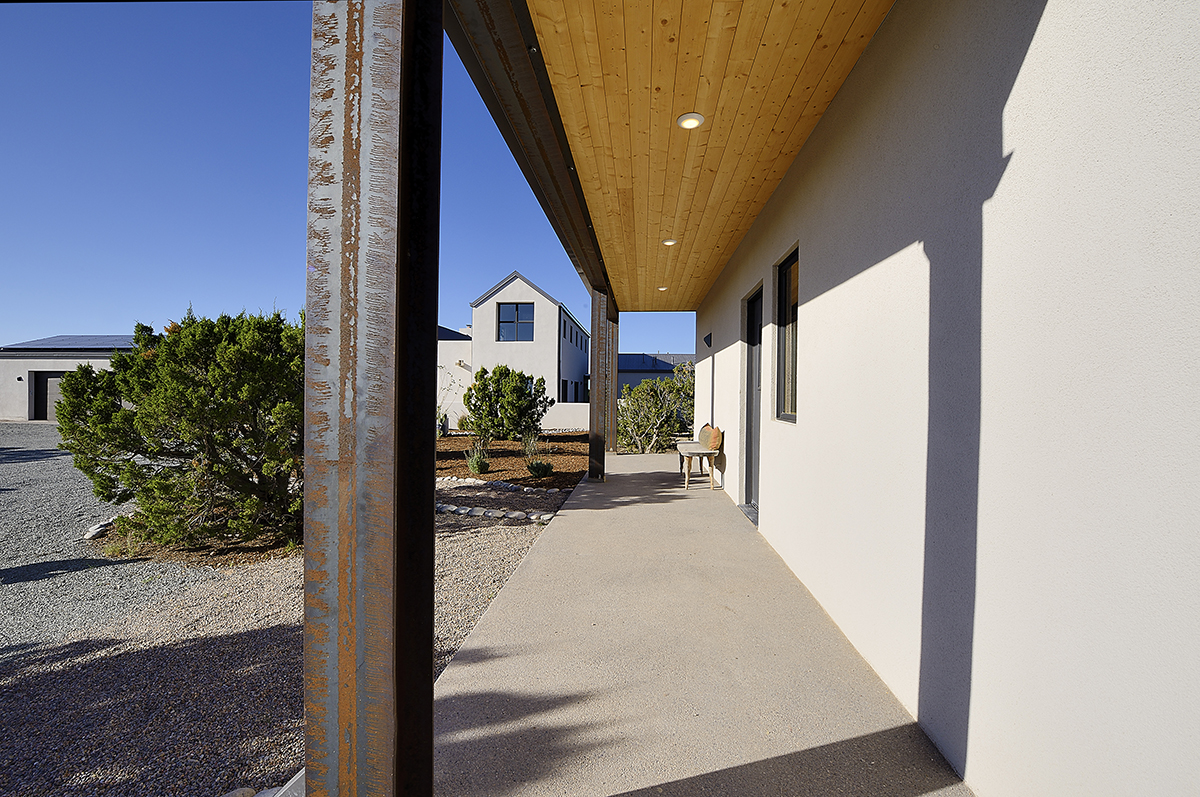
x=568, y=452
x=231, y=555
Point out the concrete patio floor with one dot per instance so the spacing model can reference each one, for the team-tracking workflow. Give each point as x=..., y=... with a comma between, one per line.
x=653, y=643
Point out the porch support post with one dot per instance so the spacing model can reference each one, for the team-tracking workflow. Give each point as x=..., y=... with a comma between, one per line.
x=614, y=391
x=371, y=337
x=602, y=434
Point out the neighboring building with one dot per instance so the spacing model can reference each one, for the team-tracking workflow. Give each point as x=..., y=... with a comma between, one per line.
x=454, y=371
x=943, y=259
x=516, y=323
x=633, y=369
x=30, y=371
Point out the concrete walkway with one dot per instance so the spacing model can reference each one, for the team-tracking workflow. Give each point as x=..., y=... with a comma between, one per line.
x=653, y=643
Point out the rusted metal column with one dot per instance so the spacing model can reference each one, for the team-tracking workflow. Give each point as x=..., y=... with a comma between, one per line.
x=614, y=390
x=598, y=389
x=374, y=158
x=602, y=418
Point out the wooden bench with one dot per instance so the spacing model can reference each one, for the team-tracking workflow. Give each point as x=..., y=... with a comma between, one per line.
x=706, y=446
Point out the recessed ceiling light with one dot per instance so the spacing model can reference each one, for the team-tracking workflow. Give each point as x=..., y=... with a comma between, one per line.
x=662, y=287
x=669, y=242
x=690, y=121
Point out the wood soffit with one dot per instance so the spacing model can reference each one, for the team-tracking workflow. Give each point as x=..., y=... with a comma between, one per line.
x=612, y=78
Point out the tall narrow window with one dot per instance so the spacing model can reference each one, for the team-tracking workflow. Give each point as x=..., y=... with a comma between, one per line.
x=514, y=321
x=788, y=306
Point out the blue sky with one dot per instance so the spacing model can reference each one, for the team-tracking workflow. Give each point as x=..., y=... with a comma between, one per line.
x=155, y=156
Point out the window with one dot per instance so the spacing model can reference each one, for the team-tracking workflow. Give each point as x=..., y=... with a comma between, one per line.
x=562, y=394
x=514, y=321
x=788, y=306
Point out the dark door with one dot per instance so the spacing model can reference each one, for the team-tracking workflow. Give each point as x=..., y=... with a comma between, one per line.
x=45, y=394
x=753, y=394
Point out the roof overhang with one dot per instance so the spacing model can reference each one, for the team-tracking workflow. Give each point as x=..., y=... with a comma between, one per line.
x=587, y=96
x=497, y=44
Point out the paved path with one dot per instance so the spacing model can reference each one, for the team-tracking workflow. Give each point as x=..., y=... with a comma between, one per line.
x=653, y=643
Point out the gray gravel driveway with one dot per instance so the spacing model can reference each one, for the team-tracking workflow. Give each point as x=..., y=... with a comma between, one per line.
x=132, y=677
x=135, y=677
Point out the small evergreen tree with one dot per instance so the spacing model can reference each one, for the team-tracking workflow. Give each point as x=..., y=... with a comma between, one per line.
x=202, y=425
x=506, y=404
x=652, y=413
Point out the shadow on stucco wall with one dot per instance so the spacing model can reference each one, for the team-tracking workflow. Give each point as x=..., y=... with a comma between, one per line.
x=920, y=124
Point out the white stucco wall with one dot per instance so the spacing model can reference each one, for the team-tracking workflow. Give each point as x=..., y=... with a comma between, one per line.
x=573, y=361
x=454, y=378
x=994, y=475
x=567, y=416
x=16, y=398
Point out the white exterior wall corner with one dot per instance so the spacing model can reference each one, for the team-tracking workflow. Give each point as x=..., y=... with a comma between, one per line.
x=454, y=378
x=994, y=476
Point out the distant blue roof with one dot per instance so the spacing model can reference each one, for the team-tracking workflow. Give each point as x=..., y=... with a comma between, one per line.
x=651, y=362
x=450, y=334
x=76, y=343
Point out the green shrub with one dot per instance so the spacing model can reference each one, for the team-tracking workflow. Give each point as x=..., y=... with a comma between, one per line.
x=651, y=414
x=506, y=404
x=202, y=425
x=539, y=468
x=477, y=457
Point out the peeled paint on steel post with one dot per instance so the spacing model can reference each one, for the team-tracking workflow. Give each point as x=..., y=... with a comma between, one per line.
x=612, y=329
x=355, y=222
x=598, y=389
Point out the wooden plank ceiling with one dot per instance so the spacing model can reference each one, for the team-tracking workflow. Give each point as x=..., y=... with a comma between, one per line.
x=761, y=73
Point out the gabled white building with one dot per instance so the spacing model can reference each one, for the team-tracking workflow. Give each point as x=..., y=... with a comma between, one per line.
x=516, y=323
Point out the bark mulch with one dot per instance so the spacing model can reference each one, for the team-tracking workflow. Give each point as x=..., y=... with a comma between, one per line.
x=567, y=451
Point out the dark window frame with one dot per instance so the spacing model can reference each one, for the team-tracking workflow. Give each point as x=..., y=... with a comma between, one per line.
x=787, y=306
x=516, y=326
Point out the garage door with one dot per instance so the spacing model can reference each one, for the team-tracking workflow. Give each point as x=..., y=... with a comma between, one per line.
x=45, y=394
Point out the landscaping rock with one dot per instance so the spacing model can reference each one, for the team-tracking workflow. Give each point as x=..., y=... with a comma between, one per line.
x=98, y=530
x=476, y=511
x=240, y=793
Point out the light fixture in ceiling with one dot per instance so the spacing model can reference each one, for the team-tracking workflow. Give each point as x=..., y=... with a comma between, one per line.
x=690, y=121
x=669, y=242
x=662, y=287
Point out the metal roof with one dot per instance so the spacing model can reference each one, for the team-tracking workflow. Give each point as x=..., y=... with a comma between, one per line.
x=75, y=343
x=445, y=333
x=651, y=362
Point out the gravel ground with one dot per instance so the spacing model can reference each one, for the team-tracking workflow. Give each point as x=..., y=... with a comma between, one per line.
x=138, y=677
x=134, y=677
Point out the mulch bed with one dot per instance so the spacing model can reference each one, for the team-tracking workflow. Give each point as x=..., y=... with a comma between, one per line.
x=567, y=451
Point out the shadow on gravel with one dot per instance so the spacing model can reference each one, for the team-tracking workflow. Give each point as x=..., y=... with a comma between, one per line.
x=199, y=717
x=39, y=571
x=14, y=456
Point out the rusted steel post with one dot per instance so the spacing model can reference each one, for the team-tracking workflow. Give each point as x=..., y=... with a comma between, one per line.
x=614, y=390
x=374, y=160
x=598, y=389
x=602, y=433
